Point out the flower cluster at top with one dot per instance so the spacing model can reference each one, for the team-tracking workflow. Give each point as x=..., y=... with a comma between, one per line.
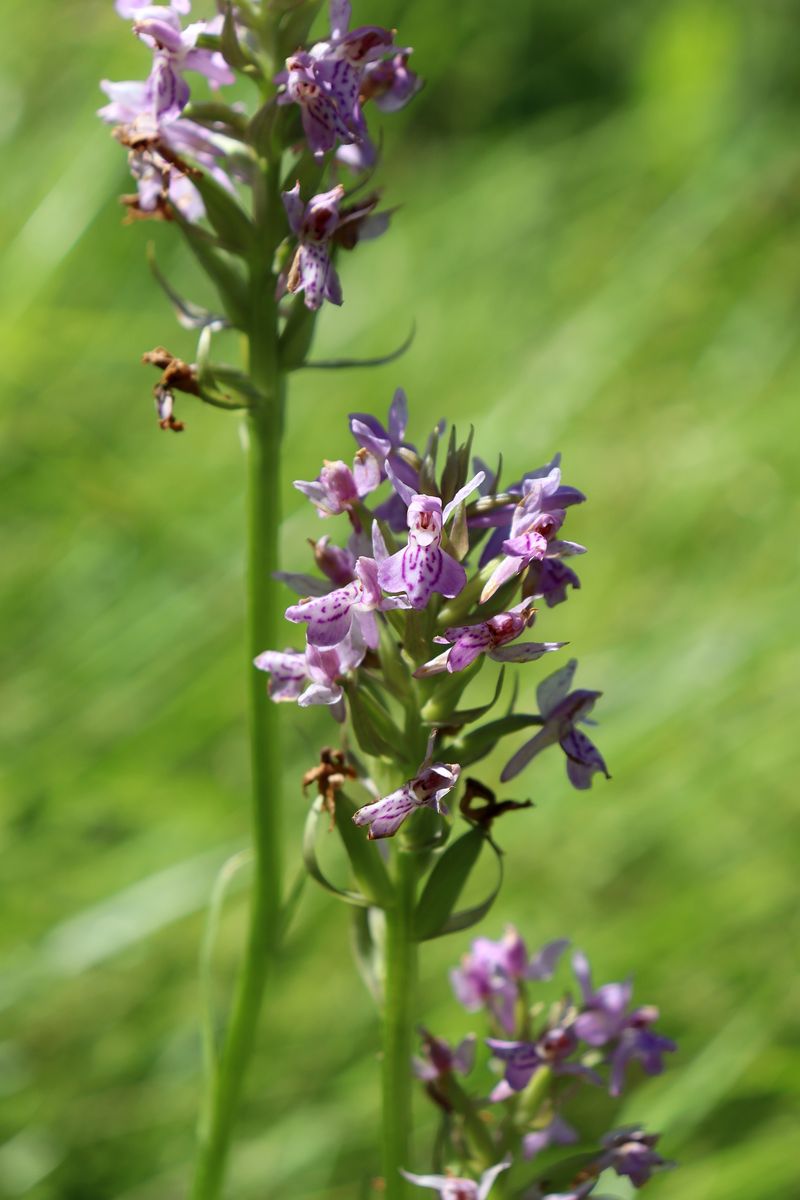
x=176, y=144
x=375, y=618
x=592, y=1038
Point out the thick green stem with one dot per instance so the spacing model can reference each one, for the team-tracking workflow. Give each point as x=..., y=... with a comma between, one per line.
x=265, y=423
x=398, y=1017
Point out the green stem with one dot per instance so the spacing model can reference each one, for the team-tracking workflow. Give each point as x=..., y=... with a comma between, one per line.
x=398, y=1015
x=265, y=426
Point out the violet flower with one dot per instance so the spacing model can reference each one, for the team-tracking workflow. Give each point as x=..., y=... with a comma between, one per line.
x=316, y=225
x=325, y=81
x=632, y=1152
x=561, y=710
x=605, y=1018
x=523, y=1059
x=534, y=524
x=451, y=1188
x=469, y=642
x=543, y=485
x=422, y=567
x=312, y=677
x=157, y=147
x=175, y=51
x=330, y=618
x=548, y=580
x=337, y=488
x=389, y=83
x=425, y=790
x=557, y=1132
x=337, y=563
x=489, y=974
x=386, y=442
x=439, y=1058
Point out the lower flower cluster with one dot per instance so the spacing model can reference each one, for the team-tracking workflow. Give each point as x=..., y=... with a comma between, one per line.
x=589, y=1039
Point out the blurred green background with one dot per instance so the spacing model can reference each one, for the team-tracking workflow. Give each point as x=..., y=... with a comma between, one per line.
x=599, y=243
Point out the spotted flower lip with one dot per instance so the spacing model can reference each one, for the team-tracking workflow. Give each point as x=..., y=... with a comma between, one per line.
x=426, y=790
x=561, y=711
x=450, y=1187
x=422, y=567
x=327, y=81
x=316, y=225
x=330, y=618
x=490, y=637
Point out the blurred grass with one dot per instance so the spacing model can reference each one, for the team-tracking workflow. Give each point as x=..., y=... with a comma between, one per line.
x=600, y=246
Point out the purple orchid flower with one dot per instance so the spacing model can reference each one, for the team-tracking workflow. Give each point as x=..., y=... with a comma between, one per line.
x=175, y=51
x=631, y=1151
x=337, y=563
x=129, y=8
x=638, y=1042
x=489, y=974
x=604, y=1018
x=561, y=710
x=451, y=1188
x=330, y=618
x=489, y=638
x=389, y=83
x=325, y=81
x=157, y=145
x=337, y=488
x=545, y=483
x=425, y=790
x=316, y=225
x=548, y=579
x=439, y=1058
x=312, y=677
x=312, y=271
x=557, y=1132
x=386, y=442
x=534, y=524
x=422, y=567
x=523, y=1059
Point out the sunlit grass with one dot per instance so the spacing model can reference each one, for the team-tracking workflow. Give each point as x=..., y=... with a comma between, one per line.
x=584, y=287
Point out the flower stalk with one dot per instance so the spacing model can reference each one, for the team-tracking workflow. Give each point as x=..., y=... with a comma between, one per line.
x=264, y=434
x=398, y=1019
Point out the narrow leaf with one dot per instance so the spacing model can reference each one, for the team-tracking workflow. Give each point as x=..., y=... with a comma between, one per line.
x=445, y=884
x=338, y=364
x=479, y=742
x=365, y=858
x=312, y=862
x=466, y=917
x=190, y=315
x=221, y=272
x=226, y=216
x=375, y=731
